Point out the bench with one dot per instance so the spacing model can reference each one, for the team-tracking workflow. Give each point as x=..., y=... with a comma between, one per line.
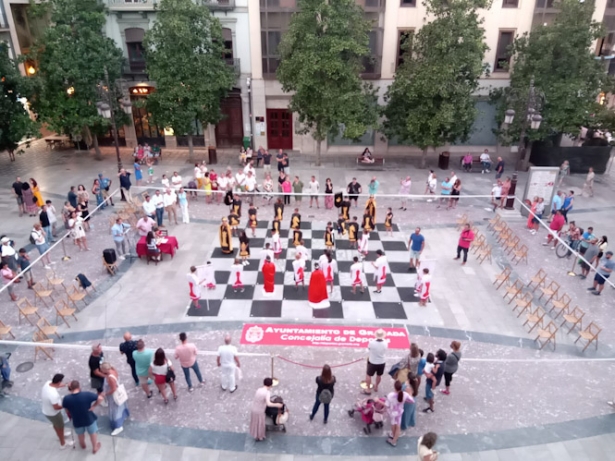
x=377, y=161
x=475, y=161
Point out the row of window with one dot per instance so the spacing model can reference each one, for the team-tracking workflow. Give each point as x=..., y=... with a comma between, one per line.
x=505, y=3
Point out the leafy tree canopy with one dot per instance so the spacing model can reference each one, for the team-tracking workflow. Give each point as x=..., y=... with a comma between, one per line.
x=185, y=57
x=567, y=77
x=15, y=122
x=71, y=58
x=431, y=103
x=322, y=56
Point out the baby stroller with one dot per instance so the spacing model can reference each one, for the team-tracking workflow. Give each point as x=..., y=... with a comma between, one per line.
x=278, y=416
x=372, y=412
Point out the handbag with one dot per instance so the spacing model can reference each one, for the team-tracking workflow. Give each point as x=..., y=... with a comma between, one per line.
x=120, y=396
x=238, y=374
x=282, y=417
x=170, y=377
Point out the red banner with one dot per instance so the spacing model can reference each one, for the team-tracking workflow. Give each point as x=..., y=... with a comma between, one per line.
x=260, y=334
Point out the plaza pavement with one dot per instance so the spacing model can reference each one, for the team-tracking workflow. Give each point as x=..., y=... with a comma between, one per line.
x=133, y=300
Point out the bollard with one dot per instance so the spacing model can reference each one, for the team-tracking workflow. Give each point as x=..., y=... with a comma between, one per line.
x=65, y=257
x=275, y=380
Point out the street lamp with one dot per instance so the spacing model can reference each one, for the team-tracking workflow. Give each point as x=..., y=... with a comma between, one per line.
x=105, y=110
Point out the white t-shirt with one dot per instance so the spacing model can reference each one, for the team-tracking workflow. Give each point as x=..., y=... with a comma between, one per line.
x=198, y=173
x=165, y=182
x=149, y=207
x=428, y=367
x=377, y=350
x=51, y=214
x=169, y=199
x=240, y=178
x=39, y=236
x=176, y=181
x=227, y=355
x=432, y=182
x=50, y=397
x=249, y=168
x=484, y=157
x=161, y=369
x=250, y=182
x=496, y=191
x=222, y=182
x=158, y=200
x=313, y=187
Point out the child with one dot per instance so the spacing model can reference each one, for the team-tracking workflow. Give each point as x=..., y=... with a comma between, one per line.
x=329, y=242
x=434, y=375
x=233, y=220
x=236, y=276
x=277, y=244
x=356, y=275
x=244, y=248
x=150, y=170
x=424, y=287
x=388, y=222
x=252, y=220
x=299, y=271
x=430, y=363
x=363, y=244
x=353, y=232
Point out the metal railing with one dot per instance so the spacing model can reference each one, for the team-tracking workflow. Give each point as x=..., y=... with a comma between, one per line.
x=137, y=5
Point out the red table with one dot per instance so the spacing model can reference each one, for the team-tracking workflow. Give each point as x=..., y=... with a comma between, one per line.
x=169, y=247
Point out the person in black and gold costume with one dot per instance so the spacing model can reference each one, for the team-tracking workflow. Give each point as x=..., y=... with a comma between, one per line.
x=297, y=237
x=252, y=219
x=353, y=232
x=346, y=208
x=295, y=220
x=226, y=239
x=370, y=208
x=368, y=223
x=278, y=210
x=329, y=241
x=388, y=222
x=341, y=226
x=236, y=206
x=233, y=221
x=244, y=248
x=275, y=226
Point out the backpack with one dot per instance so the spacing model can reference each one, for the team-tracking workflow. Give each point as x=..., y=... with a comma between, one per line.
x=104, y=183
x=325, y=396
x=32, y=239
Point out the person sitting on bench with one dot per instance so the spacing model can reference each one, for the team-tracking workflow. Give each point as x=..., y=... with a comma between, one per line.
x=366, y=156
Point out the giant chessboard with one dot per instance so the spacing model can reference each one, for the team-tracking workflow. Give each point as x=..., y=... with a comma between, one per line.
x=287, y=302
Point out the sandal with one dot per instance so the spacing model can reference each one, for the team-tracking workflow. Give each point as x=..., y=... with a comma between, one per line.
x=390, y=442
x=166, y=401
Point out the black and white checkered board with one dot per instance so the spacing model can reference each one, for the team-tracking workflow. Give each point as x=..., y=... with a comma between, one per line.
x=287, y=302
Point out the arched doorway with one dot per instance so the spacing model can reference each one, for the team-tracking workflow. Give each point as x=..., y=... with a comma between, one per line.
x=229, y=131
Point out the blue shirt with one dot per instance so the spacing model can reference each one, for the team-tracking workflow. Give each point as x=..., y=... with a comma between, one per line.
x=567, y=202
x=556, y=204
x=118, y=232
x=125, y=180
x=373, y=187
x=78, y=405
x=138, y=174
x=606, y=264
x=586, y=238
x=449, y=185
x=417, y=242
x=182, y=198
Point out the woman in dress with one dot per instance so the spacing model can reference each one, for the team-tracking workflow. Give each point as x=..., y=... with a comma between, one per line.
x=408, y=419
x=97, y=192
x=117, y=413
x=75, y=224
x=455, y=192
x=328, y=194
x=207, y=187
x=244, y=248
x=82, y=194
x=82, y=206
x=286, y=189
x=326, y=381
x=225, y=236
x=160, y=369
x=252, y=219
x=37, y=193
x=213, y=177
x=267, y=188
x=138, y=172
x=152, y=247
x=504, y=193
x=29, y=199
x=395, y=405
x=262, y=400
x=182, y=198
x=603, y=244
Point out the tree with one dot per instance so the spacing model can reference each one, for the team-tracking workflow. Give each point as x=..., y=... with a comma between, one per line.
x=567, y=77
x=185, y=57
x=71, y=58
x=322, y=56
x=430, y=103
x=15, y=121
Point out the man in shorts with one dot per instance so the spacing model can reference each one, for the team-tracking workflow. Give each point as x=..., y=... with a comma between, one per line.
x=143, y=358
x=377, y=348
x=605, y=268
x=80, y=406
x=52, y=408
x=590, y=255
x=417, y=245
x=354, y=189
x=105, y=185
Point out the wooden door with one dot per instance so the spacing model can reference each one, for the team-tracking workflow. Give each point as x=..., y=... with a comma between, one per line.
x=229, y=131
x=279, y=129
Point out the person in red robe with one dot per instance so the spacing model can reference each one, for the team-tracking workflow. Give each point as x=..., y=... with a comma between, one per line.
x=318, y=297
x=268, y=275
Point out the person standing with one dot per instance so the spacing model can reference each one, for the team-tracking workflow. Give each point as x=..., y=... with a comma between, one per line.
x=7, y=275
x=105, y=185
x=408, y=418
x=97, y=377
x=404, y=190
x=117, y=413
x=267, y=162
x=162, y=370
x=228, y=362
x=38, y=237
x=28, y=199
x=434, y=370
x=325, y=384
x=23, y=261
x=603, y=272
x=314, y=189
x=262, y=400
x=496, y=195
x=377, y=349
x=125, y=184
x=118, y=230
x=380, y=274
x=445, y=191
x=169, y=200
x=80, y=406
x=499, y=168
x=328, y=194
x=354, y=189
x=373, y=186
x=298, y=190
x=451, y=365
x=18, y=192
x=424, y=287
x=182, y=198
x=52, y=215
x=149, y=207
x=556, y=204
x=417, y=245
x=143, y=358
x=52, y=408
x=43, y=216
x=8, y=253
x=564, y=170
x=356, y=275
x=588, y=185
x=395, y=404
x=186, y=353
x=465, y=240
x=568, y=205
x=36, y=191
x=158, y=201
x=145, y=225
x=127, y=348
x=286, y=163
x=280, y=160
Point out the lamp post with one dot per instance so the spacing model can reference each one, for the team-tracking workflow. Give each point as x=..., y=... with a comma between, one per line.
x=533, y=119
x=249, y=83
x=105, y=109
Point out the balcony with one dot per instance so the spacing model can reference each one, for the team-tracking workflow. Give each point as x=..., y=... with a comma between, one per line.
x=150, y=5
x=235, y=64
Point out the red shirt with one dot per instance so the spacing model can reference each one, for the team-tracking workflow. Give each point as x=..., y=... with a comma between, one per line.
x=466, y=238
x=557, y=223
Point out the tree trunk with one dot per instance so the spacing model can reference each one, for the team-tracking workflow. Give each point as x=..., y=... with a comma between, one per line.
x=525, y=158
x=318, y=143
x=190, y=146
x=424, y=158
x=11, y=155
x=97, y=152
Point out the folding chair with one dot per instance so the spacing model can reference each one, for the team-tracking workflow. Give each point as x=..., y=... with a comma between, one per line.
x=504, y=235
x=46, y=328
x=462, y=220
x=38, y=337
x=54, y=281
x=111, y=268
x=550, y=291
x=511, y=243
x=519, y=254
x=523, y=304
x=538, y=280
x=85, y=290
x=534, y=319
x=5, y=330
x=494, y=221
x=513, y=290
x=560, y=304
x=478, y=243
x=503, y=277
x=574, y=317
x=26, y=309
x=484, y=253
x=75, y=295
x=41, y=293
x=546, y=335
x=63, y=311
x=499, y=226
x=590, y=334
